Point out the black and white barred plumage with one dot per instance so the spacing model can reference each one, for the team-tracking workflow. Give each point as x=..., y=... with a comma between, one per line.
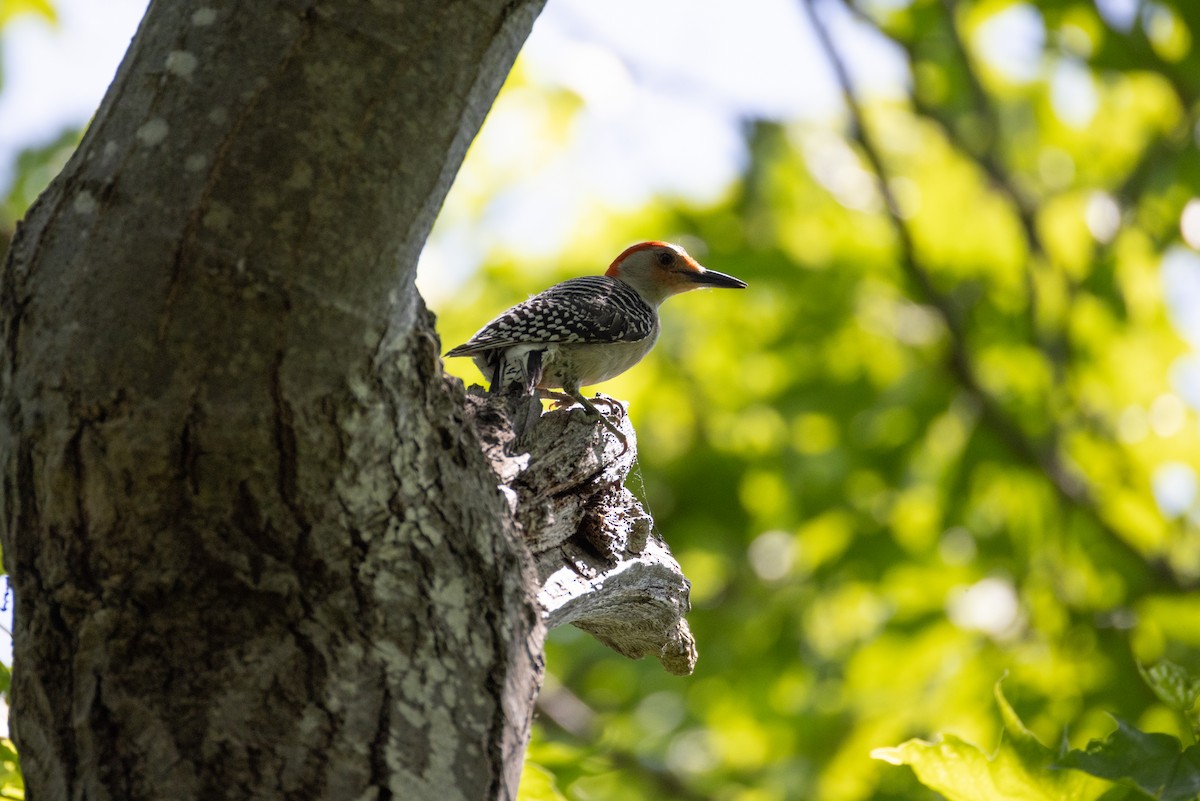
x=591, y=309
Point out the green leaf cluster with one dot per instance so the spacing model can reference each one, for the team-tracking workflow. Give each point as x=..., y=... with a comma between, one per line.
x=1153, y=763
x=1142, y=765
x=1021, y=767
x=12, y=785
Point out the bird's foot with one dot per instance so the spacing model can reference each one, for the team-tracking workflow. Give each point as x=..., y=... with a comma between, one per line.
x=614, y=405
x=616, y=432
x=559, y=399
x=613, y=408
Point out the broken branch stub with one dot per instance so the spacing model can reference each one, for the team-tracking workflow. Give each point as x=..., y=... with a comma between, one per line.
x=600, y=564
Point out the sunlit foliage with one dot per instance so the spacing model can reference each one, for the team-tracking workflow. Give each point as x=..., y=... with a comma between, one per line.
x=38, y=164
x=949, y=433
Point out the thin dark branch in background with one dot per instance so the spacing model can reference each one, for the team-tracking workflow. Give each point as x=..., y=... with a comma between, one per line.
x=986, y=155
x=1137, y=40
x=1166, y=147
x=989, y=157
x=992, y=162
x=1068, y=486
x=983, y=103
x=908, y=263
x=1174, y=142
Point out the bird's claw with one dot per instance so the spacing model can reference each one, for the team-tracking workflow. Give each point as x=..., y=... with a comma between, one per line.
x=616, y=432
x=614, y=406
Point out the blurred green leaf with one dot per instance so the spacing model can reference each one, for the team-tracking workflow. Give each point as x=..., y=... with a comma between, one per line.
x=537, y=784
x=1173, y=684
x=12, y=785
x=35, y=168
x=1021, y=768
x=1152, y=762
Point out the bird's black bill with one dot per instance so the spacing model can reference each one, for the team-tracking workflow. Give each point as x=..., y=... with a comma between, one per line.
x=714, y=278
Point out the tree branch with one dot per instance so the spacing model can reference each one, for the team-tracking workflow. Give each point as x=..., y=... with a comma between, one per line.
x=600, y=565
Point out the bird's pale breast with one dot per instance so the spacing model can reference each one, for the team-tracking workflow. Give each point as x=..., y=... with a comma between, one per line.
x=592, y=363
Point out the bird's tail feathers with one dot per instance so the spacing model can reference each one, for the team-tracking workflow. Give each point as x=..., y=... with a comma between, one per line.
x=517, y=368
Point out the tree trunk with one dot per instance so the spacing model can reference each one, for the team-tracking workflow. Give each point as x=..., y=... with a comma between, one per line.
x=256, y=550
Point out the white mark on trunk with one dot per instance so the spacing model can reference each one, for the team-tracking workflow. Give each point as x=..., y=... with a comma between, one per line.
x=181, y=63
x=444, y=737
x=451, y=596
x=153, y=132
x=85, y=203
x=203, y=17
x=195, y=162
x=395, y=662
x=411, y=714
x=311, y=720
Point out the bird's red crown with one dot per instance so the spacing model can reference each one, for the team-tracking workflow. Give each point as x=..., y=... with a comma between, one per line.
x=684, y=261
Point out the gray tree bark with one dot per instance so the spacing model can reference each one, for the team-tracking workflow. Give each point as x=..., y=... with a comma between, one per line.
x=256, y=550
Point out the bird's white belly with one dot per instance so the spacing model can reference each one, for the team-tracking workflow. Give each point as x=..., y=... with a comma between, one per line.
x=591, y=363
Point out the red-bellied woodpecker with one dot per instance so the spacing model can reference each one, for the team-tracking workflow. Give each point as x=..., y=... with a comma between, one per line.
x=587, y=330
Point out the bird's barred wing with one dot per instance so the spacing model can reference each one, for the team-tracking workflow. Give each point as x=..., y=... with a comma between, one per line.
x=592, y=309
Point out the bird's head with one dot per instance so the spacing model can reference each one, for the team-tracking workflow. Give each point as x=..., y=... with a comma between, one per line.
x=658, y=270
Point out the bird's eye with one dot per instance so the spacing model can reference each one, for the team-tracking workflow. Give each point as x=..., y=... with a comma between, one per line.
x=666, y=258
